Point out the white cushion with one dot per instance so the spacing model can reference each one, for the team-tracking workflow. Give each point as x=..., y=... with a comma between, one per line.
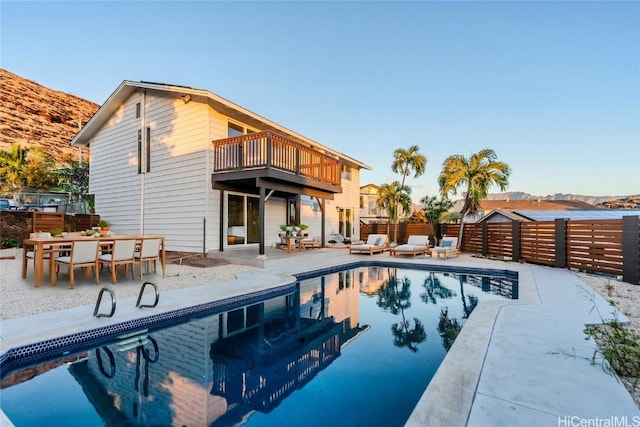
x=418, y=240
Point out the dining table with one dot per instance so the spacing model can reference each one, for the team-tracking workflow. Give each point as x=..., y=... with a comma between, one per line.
x=53, y=245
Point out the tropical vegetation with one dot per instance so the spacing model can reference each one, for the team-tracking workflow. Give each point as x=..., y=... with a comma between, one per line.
x=434, y=210
x=474, y=175
x=26, y=169
x=405, y=162
x=391, y=197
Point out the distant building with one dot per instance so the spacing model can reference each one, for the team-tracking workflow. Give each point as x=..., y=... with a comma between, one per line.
x=369, y=212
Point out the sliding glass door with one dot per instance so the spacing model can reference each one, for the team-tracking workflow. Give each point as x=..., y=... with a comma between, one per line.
x=243, y=219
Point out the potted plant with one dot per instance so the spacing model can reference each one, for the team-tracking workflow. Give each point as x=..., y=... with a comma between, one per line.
x=105, y=226
x=56, y=231
x=303, y=227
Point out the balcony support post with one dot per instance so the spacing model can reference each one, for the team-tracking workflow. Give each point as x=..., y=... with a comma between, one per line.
x=261, y=204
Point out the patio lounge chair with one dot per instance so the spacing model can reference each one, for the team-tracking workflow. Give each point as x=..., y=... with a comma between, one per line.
x=376, y=243
x=416, y=245
x=448, y=247
x=307, y=242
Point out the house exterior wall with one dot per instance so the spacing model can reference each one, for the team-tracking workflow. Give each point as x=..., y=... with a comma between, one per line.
x=169, y=200
x=113, y=162
x=175, y=198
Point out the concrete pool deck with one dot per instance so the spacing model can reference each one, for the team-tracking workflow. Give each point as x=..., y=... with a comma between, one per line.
x=517, y=362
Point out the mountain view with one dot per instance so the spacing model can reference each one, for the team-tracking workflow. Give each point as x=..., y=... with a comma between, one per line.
x=36, y=116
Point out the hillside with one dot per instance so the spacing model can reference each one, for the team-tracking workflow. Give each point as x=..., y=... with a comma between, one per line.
x=35, y=116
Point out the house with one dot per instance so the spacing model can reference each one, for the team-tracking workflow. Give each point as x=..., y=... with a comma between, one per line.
x=370, y=213
x=210, y=175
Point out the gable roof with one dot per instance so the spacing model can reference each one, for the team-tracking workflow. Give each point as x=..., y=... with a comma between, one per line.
x=220, y=104
x=507, y=213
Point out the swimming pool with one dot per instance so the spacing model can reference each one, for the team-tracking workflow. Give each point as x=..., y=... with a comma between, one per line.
x=351, y=347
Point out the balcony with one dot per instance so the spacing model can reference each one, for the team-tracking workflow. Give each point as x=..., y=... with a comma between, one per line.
x=249, y=160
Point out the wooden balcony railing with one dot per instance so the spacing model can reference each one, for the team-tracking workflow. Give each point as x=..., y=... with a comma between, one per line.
x=270, y=150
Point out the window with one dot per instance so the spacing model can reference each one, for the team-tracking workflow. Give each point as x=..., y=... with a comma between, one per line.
x=291, y=212
x=234, y=129
x=138, y=110
x=346, y=173
x=148, y=149
x=139, y=151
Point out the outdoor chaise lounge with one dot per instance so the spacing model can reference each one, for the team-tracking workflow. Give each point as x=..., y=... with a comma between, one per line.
x=307, y=242
x=376, y=243
x=416, y=245
x=448, y=247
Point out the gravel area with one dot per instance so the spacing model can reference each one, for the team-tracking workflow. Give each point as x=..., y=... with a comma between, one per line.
x=627, y=299
x=18, y=297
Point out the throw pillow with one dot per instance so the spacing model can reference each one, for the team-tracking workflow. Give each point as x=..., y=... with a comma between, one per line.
x=378, y=241
x=446, y=243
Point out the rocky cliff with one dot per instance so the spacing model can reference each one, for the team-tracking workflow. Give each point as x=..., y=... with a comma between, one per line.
x=35, y=116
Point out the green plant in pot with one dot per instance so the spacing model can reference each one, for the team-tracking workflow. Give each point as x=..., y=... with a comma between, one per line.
x=56, y=231
x=105, y=226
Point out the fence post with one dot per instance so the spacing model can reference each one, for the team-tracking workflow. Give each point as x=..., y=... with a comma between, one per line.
x=402, y=232
x=561, y=242
x=515, y=241
x=485, y=238
x=631, y=249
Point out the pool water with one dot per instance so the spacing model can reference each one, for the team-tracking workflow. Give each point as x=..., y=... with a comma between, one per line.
x=355, y=347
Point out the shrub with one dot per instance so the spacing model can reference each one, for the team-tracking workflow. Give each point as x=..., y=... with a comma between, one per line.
x=11, y=242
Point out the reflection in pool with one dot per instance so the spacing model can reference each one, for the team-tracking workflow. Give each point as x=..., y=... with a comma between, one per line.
x=355, y=347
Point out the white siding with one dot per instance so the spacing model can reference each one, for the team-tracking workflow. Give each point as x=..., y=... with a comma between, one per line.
x=114, y=178
x=217, y=130
x=176, y=188
x=175, y=191
x=349, y=198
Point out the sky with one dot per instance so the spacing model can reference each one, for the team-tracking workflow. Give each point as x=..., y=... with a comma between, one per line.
x=552, y=87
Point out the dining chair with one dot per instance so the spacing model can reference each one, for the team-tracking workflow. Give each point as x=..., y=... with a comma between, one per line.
x=121, y=254
x=83, y=253
x=148, y=252
x=48, y=251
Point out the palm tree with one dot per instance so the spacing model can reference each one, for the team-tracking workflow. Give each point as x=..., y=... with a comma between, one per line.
x=476, y=175
x=404, y=162
x=391, y=197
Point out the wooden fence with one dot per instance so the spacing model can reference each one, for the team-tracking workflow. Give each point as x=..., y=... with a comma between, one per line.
x=608, y=246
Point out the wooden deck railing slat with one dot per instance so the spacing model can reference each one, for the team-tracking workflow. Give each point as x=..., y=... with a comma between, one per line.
x=253, y=150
